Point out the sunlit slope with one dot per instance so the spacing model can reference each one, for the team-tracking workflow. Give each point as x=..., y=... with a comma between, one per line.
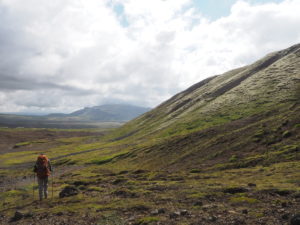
x=267, y=83
x=244, y=117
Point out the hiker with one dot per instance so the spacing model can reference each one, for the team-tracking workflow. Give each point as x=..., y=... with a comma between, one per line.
x=42, y=169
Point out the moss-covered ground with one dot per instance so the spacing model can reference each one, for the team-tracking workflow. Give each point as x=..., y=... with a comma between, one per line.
x=123, y=183
x=225, y=151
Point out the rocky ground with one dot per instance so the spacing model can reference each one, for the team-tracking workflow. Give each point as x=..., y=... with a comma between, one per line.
x=97, y=194
x=144, y=197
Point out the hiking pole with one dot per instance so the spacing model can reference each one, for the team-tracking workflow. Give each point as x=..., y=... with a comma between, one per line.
x=52, y=183
x=33, y=186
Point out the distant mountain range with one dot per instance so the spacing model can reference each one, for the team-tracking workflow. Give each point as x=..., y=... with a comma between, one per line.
x=104, y=116
x=104, y=113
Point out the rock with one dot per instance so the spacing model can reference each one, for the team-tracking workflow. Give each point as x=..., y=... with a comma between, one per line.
x=283, y=204
x=184, y=212
x=118, y=181
x=158, y=211
x=198, y=203
x=251, y=185
x=123, y=172
x=28, y=215
x=82, y=187
x=125, y=194
x=161, y=211
x=139, y=171
x=245, y=211
x=174, y=215
x=296, y=195
x=80, y=182
x=206, y=207
x=285, y=216
x=238, y=221
x=274, y=192
x=59, y=214
x=154, y=212
x=235, y=190
x=140, y=208
x=281, y=210
x=283, y=192
x=68, y=191
x=212, y=218
x=18, y=215
x=295, y=220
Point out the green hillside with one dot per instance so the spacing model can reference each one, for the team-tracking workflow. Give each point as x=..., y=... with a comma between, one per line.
x=245, y=112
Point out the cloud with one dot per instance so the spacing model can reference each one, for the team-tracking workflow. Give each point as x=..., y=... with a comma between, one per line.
x=64, y=55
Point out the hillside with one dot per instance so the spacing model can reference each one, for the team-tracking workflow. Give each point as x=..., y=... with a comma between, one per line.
x=245, y=112
x=225, y=151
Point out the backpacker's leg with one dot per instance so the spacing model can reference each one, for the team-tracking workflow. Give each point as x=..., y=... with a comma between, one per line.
x=46, y=187
x=41, y=187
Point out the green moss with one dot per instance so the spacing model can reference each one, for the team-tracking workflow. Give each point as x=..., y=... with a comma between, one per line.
x=147, y=220
x=243, y=199
x=286, y=134
x=233, y=158
x=22, y=144
x=197, y=195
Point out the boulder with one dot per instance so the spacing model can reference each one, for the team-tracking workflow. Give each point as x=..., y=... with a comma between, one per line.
x=295, y=220
x=234, y=190
x=18, y=215
x=68, y=191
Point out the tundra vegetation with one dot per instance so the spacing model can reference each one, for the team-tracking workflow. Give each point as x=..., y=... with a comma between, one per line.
x=225, y=151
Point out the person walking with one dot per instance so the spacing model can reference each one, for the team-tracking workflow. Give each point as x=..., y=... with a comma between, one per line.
x=43, y=169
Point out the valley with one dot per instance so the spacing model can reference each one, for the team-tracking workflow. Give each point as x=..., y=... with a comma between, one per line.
x=224, y=151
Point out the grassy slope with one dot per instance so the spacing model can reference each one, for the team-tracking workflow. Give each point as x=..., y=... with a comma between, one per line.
x=244, y=112
x=230, y=130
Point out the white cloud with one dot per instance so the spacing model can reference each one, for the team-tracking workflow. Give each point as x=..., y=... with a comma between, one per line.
x=63, y=55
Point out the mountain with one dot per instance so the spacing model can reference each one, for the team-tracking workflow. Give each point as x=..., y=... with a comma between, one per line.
x=90, y=117
x=105, y=113
x=246, y=116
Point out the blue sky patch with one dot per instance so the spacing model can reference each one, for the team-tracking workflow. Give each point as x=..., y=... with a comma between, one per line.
x=214, y=9
x=119, y=10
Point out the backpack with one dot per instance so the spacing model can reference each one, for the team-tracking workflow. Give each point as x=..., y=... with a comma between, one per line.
x=42, y=166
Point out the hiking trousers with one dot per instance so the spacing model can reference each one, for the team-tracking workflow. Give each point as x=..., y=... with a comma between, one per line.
x=43, y=187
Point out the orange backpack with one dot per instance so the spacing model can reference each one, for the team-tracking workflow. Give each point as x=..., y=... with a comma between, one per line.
x=42, y=166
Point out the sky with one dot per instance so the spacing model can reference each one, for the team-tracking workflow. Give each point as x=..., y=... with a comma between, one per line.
x=63, y=55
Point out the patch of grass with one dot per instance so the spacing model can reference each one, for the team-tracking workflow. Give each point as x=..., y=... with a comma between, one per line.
x=147, y=220
x=233, y=158
x=22, y=144
x=243, y=199
x=110, y=219
x=197, y=195
x=107, y=159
